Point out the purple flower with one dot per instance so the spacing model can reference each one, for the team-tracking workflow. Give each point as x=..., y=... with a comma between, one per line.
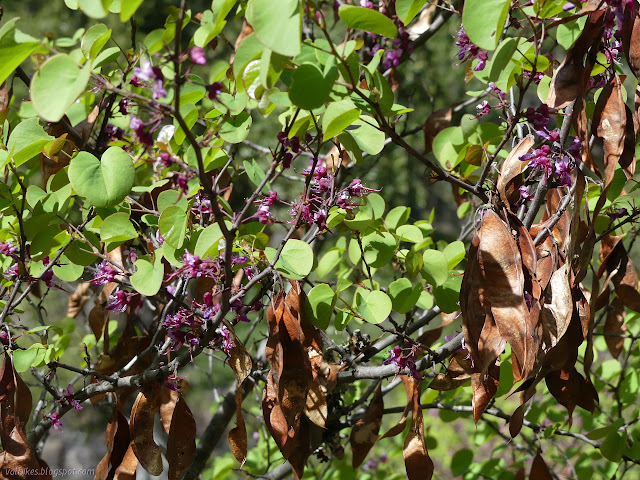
x=7, y=249
x=320, y=219
x=568, y=6
x=68, y=396
x=539, y=159
x=264, y=215
x=159, y=90
x=214, y=90
x=525, y=193
x=145, y=72
x=482, y=61
x=13, y=271
x=171, y=382
x=124, y=106
x=564, y=166
x=575, y=149
x=402, y=361
x=138, y=127
x=357, y=189
x=483, y=109
x=175, y=324
x=616, y=214
x=196, y=54
x=119, y=301
x=210, y=308
x=105, y=274
x=55, y=421
x=271, y=199
x=551, y=136
x=113, y=133
x=182, y=182
x=539, y=117
x=227, y=339
x=392, y=58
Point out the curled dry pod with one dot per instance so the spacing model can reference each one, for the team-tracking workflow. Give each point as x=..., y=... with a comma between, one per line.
x=142, y=417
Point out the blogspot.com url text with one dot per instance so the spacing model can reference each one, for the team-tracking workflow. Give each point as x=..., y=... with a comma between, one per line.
x=55, y=472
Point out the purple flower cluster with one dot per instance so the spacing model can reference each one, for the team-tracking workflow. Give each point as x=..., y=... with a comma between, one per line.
x=149, y=73
x=539, y=117
x=195, y=267
x=119, y=301
x=401, y=360
x=290, y=146
x=140, y=130
x=8, y=249
x=68, y=396
x=196, y=54
x=616, y=12
x=226, y=338
x=470, y=51
x=182, y=328
x=105, y=274
x=55, y=421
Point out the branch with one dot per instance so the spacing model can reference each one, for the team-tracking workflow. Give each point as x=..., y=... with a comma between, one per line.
x=386, y=371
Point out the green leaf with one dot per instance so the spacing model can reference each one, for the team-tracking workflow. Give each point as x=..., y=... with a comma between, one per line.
x=171, y=198
x=42, y=328
x=148, y=277
x=342, y=320
x=173, y=226
x=12, y=56
x=94, y=39
x=103, y=183
x=413, y=263
x=93, y=8
x=278, y=25
x=296, y=259
x=23, y=359
x=568, y=33
x=483, y=20
x=328, y=262
x=404, y=295
x=455, y=253
x=396, y=217
x=57, y=85
x=461, y=461
x=612, y=447
x=337, y=117
x=369, y=138
x=378, y=248
x=26, y=141
x=448, y=294
x=128, y=8
x=374, y=306
x=369, y=20
x=107, y=56
x=408, y=9
x=435, y=269
x=320, y=303
x=207, y=244
x=501, y=64
x=236, y=129
x=67, y=270
x=309, y=87
x=409, y=233
x=117, y=228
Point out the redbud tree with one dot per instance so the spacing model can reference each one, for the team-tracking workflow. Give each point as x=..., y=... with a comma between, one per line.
x=200, y=198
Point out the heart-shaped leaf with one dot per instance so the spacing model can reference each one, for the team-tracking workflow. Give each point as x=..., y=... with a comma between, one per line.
x=57, y=85
x=103, y=183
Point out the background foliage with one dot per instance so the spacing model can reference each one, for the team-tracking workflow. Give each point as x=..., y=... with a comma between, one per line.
x=261, y=219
